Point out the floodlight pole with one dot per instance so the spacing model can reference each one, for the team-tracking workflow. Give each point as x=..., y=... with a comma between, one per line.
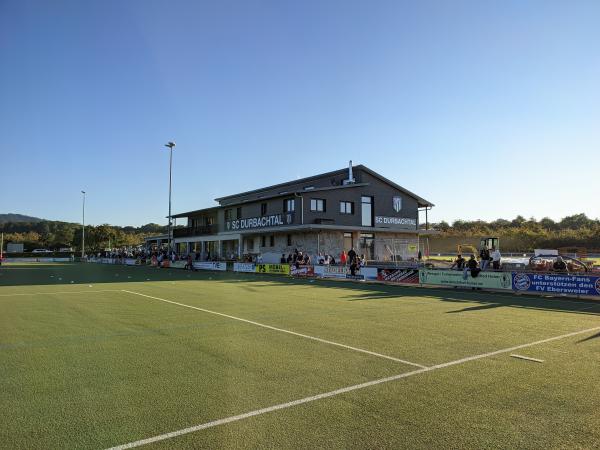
x=83, y=228
x=170, y=145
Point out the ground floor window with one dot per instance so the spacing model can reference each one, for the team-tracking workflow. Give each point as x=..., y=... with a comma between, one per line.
x=348, y=242
x=366, y=245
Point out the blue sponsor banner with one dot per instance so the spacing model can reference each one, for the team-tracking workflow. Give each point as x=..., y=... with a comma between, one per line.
x=552, y=283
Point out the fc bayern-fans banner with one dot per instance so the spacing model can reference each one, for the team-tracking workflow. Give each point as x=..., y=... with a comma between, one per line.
x=557, y=283
x=455, y=278
x=408, y=276
x=302, y=271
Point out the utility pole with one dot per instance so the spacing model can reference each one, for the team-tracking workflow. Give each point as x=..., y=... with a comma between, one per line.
x=170, y=145
x=83, y=228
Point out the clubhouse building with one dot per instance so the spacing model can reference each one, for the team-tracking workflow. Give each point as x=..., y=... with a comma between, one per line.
x=326, y=213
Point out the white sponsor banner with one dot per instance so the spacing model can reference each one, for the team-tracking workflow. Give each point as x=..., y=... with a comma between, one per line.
x=244, y=267
x=334, y=272
x=208, y=265
x=370, y=273
x=179, y=264
x=319, y=270
x=36, y=260
x=130, y=261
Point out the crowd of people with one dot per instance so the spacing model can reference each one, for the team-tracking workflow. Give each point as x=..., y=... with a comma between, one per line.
x=299, y=258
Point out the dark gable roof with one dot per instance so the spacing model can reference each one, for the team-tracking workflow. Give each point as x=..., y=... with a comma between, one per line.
x=281, y=185
x=421, y=201
x=196, y=212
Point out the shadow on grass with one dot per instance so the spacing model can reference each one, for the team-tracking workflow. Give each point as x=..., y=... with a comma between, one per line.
x=81, y=273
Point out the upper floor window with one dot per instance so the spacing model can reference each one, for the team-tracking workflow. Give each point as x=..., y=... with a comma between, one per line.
x=263, y=209
x=367, y=211
x=227, y=215
x=317, y=204
x=238, y=213
x=289, y=205
x=346, y=207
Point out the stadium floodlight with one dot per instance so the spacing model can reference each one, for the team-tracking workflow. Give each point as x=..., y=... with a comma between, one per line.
x=170, y=145
x=83, y=228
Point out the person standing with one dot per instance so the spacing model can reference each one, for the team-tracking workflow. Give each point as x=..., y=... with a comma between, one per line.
x=352, y=260
x=496, y=256
x=484, y=256
x=343, y=258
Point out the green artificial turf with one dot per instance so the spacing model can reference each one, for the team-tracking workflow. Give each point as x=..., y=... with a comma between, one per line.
x=84, y=364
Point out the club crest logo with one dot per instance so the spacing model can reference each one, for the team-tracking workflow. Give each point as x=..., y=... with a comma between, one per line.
x=397, y=202
x=522, y=281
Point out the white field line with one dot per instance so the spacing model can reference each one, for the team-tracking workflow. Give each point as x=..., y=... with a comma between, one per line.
x=63, y=292
x=324, y=341
x=355, y=387
x=527, y=358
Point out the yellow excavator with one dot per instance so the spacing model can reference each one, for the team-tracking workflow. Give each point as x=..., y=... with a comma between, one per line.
x=468, y=249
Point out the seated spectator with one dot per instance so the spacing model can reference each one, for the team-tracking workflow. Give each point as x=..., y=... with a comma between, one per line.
x=470, y=267
x=559, y=265
x=283, y=259
x=459, y=263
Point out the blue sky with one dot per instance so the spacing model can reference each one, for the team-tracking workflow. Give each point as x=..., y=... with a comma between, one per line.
x=486, y=108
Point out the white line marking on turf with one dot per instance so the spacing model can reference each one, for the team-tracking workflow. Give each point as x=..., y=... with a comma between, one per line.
x=527, y=358
x=355, y=387
x=324, y=341
x=63, y=292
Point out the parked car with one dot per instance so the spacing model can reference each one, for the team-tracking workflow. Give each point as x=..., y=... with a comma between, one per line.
x=41, y=250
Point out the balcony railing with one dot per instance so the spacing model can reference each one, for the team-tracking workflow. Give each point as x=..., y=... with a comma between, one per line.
x=195, y=231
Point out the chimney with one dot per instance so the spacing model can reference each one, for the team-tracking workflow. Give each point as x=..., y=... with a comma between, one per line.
x=350, y=177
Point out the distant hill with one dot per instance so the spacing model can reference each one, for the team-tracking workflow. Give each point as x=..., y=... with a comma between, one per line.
x=10, y=217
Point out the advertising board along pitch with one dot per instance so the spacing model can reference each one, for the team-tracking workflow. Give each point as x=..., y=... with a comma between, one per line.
x=557, y=283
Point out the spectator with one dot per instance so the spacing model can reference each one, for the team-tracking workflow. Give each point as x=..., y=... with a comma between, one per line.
x=470, y=267
x=343, y=258
x=331, y=260
x=484, y=256
x=559, y=265
x=353, y=263
x=283, y=259
x=496, y=257
x=459, y=263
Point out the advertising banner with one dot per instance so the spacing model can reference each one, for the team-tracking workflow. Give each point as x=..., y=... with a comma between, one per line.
x=273, y=268
x=302, y=271
x=344, y=272
x=370, y=273
x=557, y=283
x=406, y=276
x=11, y=260
x=131, y=261
x=179, y=264
x=489, y=280
x=209, y=265
x=244, y=267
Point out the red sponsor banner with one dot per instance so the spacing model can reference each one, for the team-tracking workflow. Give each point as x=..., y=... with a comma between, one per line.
x=405, y=276
x=302, y=271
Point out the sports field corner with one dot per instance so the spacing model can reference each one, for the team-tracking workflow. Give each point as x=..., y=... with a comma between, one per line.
x=103, y=356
